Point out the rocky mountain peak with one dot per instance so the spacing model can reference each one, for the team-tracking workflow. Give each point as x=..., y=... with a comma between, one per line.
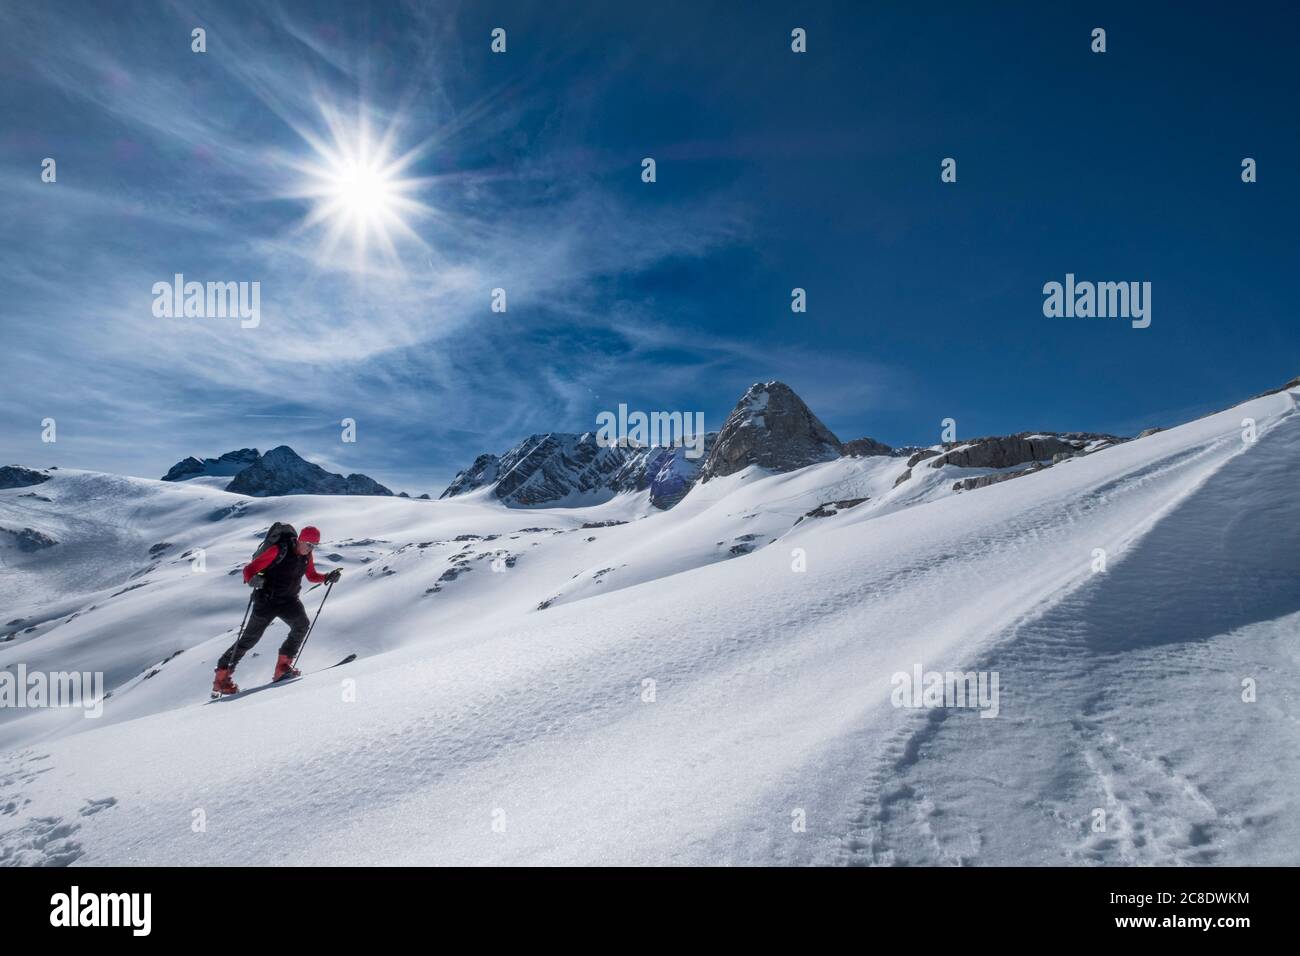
x=16, y=476
x=282, y=471
x=770, y=427
x=484, y=471
x=229, y=464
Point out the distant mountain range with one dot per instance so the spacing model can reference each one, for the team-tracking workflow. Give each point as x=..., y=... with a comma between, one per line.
x=770, y=427
x=281, y=471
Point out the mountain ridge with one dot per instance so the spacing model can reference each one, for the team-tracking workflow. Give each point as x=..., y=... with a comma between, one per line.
x=280, y=471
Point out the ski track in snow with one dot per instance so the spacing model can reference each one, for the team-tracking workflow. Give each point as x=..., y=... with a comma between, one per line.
x=1125, y=698
x=485, y=731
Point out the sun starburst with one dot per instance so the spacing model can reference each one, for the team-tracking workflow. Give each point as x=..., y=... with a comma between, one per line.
x=360, y=189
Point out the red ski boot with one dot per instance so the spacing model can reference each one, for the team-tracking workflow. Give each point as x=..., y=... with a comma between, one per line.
x=284, y=669
x=223, y=685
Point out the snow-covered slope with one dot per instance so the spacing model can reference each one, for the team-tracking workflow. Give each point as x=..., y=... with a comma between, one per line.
x=552, y=685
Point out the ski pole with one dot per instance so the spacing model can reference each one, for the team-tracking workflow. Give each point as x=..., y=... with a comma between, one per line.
x=328, y=589
x=241, y=628
x=242, y=623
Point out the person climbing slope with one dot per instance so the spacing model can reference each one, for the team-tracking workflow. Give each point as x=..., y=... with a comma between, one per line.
x=276, y=574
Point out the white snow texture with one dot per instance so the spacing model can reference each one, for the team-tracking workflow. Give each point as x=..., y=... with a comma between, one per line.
x=672, y=689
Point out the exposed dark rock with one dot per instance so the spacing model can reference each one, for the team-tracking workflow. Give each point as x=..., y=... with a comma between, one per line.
x=544, y=469
x=228, y=465
x=668, y=472
x=770, y=427
x=229, y=511
x=281, y=471
x=866, y=448
x=829, y=508
x=983, y=481
x=16, y=476
x=921, y=456
x=548, y=468
x=29, y=539
x=484, y=471
x=1010, y=450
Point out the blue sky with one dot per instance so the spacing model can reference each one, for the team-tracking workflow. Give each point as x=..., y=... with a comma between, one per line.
x=775, y=170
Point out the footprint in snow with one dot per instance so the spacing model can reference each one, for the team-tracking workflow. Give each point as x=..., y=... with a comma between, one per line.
x=95, y=806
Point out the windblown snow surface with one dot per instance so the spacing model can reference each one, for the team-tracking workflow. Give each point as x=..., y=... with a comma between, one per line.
x=504, y=716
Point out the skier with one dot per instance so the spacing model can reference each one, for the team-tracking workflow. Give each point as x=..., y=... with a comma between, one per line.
x=276, y=574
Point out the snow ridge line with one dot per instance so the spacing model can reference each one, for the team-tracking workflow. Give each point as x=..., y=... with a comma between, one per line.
x=863, y=841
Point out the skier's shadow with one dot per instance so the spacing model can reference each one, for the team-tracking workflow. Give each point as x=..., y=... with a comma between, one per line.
x=254, y=690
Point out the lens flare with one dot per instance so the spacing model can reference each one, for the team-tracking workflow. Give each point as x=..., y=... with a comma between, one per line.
x=360, y=190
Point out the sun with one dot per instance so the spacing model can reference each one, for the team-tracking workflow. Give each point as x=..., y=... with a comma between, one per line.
x=360, y=190
x=363, y=192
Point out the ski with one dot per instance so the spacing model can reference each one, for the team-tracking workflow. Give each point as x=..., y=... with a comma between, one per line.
x=276, y=683
x=347, y=660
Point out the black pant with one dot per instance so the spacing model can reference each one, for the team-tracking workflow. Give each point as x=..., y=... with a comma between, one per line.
x=265, y=610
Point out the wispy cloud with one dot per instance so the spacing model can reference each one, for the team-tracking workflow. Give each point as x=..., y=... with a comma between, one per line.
x=408, y=345
x=776, y=171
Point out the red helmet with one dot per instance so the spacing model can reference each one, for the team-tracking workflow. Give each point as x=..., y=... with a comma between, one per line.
x=310, y=534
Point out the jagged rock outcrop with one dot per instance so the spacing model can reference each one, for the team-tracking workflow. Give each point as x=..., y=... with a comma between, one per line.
x=484, y=471
x=1002, y=452
x=866, y=448
x=281, y=471
x=548, y=468
x=828, y=509
x=557, y=466
x=1010, y=450
x=983, y=481
x=228, y=465
x=670, y=473
x=16, y=476
x=1037, y=449
x=770, y=427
